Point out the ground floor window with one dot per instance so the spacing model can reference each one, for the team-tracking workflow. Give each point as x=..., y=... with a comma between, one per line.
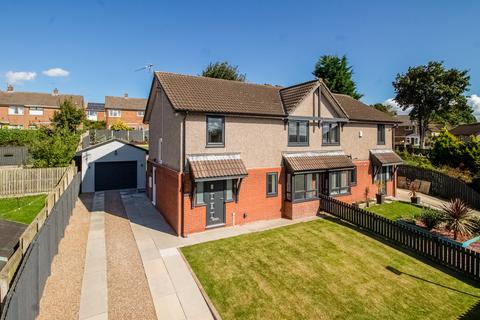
x=339, y=183
x=272, y=184
x=384, y=173
x=199, y=195
x=305, y=186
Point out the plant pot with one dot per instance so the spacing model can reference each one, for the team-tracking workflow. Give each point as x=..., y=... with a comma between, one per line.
x=380, y=198
x=415, y=200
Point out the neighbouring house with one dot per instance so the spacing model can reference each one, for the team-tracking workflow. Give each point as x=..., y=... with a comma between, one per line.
x=407, y=132
x=113, y=164
x=95, y=111
x=129, y=110
x=464, y=131
x=225, y=152
x=31, y=109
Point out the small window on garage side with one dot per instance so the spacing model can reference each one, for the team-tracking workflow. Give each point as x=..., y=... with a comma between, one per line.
x=272, y=184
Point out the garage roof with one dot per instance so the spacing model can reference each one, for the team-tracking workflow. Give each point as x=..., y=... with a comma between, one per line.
x=110, y=141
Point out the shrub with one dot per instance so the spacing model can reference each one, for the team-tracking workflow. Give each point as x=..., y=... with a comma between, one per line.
x=17, y=137
x=53, y=148
x=89, y=124
x=119, y=125
x=446, y=149
x=430, y=218
x=459, y=218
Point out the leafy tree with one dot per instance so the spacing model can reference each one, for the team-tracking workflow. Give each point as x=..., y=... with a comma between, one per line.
x=119, y=125
x=69, y=117
x=90, y=124
x=459, y=218
x=384, y=108
x=223, y=70
x=446, y=149
x=54, y=147
x=337, y=75
x=431, y=91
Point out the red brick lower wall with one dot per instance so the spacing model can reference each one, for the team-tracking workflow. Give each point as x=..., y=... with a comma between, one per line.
x=168, y=188
x=253, y=203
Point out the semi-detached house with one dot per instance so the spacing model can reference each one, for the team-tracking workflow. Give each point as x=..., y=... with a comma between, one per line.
x=224, y=152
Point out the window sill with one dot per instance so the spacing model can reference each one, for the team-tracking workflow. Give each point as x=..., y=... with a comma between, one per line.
x=273, y=195
x=330, y=144
x=215, y=146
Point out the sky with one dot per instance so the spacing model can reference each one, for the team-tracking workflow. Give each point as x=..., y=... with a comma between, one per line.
x=93, y=47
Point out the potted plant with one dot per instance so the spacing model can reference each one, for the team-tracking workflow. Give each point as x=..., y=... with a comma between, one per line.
x=380, y=195
x=413, y=188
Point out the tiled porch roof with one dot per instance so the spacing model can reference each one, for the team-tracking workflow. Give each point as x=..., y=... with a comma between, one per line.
x=385, y=157
x=310, y=161
x=205, y=167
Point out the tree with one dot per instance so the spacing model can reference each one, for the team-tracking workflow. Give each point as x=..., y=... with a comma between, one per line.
x=223, y=70
x=54, y=147
x=384, y=108
x=337, y=75
x=459, y=218
x=431, y=90
x=69, y=117
x=119, y=125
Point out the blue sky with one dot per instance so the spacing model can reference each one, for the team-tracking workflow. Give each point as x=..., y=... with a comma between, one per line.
x=100, y=43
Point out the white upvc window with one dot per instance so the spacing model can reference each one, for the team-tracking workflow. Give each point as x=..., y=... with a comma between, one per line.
x=92, y=115
x=35, y=111
x=15, y=110
x=140, y=113
x=114, y=113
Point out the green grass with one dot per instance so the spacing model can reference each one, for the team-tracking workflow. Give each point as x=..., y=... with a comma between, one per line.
x=23, y=209
x=323, y=270
x=395, y=210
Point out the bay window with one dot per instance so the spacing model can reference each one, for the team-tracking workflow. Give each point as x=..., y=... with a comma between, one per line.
x=305, y=186
x=339, y=183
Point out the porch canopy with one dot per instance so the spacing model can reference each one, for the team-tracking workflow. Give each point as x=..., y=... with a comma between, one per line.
x=206, y=167
x=385, y=157
x=317, y=161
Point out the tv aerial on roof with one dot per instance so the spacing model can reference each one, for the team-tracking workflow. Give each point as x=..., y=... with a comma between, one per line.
x=148, y=67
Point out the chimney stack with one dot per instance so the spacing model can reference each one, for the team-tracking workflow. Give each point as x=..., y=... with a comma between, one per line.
x=55, y=92
x=9, y=88
x=125, y=95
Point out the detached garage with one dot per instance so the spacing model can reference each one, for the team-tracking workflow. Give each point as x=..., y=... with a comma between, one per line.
x=111, y=165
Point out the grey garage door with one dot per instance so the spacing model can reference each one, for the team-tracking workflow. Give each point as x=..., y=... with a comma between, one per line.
x=115, y=175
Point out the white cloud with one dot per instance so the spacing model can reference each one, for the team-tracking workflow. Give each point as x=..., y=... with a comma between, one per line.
x=474, y=102
x=395, y=106
x=56, y=72
x=19, y=76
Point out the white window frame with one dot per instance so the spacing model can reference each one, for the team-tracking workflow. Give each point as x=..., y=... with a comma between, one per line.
x=114, y=113
x=140, y=113
x=15, y=110
x=35, y=111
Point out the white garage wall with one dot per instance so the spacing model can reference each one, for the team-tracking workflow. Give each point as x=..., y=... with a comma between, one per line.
x=106, y=153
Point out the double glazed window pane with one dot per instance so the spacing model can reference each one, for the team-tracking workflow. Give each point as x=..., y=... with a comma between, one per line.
x=330, y=133
x=229, y=190
x=271, y=184
x=298, y=132
x=215, y=130
x=381, y=134
x=199, y=193
x=305, y=186
x=339, y=182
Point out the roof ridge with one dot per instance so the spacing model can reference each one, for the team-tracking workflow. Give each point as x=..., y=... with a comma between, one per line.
x=123, y=97
x=44, y=93
x=298, y=84
x=217, y=79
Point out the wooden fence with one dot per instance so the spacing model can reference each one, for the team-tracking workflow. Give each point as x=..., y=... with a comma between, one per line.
x=24, y=274
x=20, y=181
x=440, y=250
x=442, y=185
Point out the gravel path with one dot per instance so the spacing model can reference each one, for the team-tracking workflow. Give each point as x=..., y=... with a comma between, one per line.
x=61, y=296
x=128, y=292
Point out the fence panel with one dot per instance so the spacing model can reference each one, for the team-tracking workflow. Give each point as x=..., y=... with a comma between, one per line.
x=442, y=185
x=20, y=181
x=14, y=156
x=23, y=298
x=101, y=135
x=443, y=251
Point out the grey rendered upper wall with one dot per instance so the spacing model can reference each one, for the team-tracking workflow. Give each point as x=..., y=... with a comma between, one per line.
x=165, y=124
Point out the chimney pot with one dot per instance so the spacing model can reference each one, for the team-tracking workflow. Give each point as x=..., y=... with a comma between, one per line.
x=125, y=95
x=55, y=92
x=9, y=88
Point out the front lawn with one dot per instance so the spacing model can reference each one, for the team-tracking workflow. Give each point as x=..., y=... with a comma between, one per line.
x=322, y=270
x=22, y=209
x=395, y=210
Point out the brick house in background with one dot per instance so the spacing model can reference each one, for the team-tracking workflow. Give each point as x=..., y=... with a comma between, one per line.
x=226, y=152
x=464, y=131
x=129, y=110
x=95, y=111
x=31, y=109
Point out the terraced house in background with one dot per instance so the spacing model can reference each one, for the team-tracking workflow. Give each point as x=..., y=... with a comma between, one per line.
x=31, y=109
x=129, y=110
x=225, y=152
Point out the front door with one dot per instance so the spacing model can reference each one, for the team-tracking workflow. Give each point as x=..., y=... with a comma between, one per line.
x=214, y=192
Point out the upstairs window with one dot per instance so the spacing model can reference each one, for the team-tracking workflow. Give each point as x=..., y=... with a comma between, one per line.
x=15, y=110
x=114, y=113
x=381, y=134
x=35, y=111
x=330, y=133
x=298, y=133
x=140, y=113
x=215, y=131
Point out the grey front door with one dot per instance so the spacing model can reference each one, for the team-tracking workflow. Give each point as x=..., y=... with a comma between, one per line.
x=214, y=192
